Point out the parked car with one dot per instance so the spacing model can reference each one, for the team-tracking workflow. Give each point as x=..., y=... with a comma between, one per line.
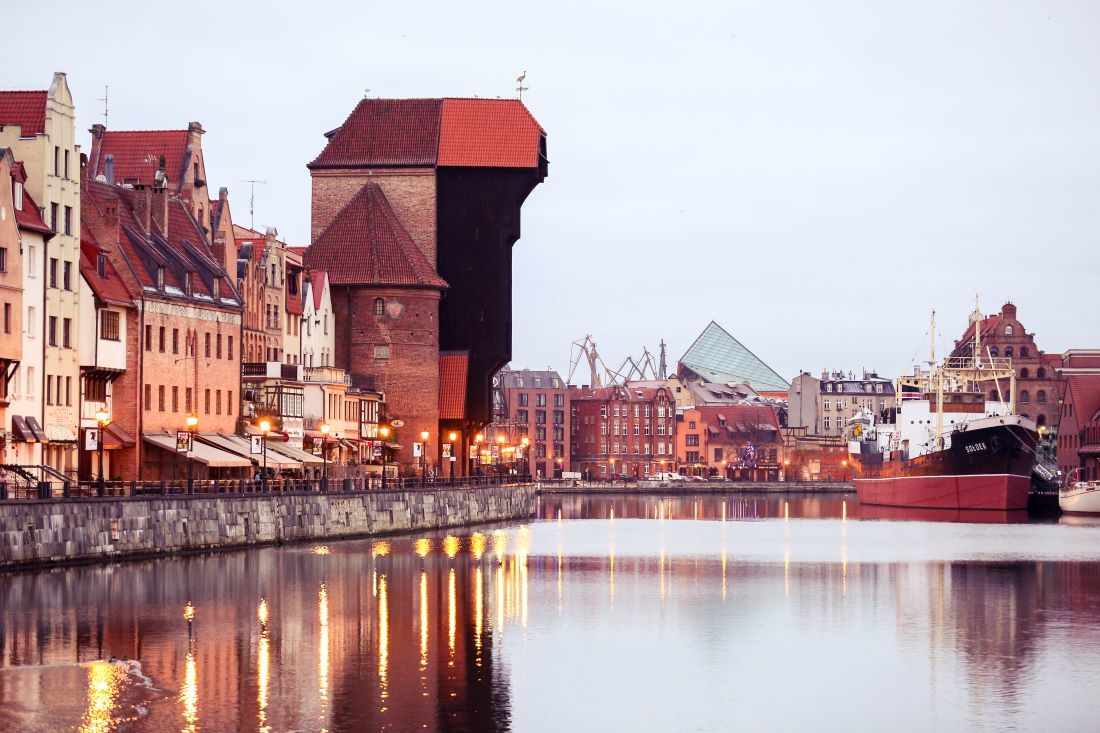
x=697, y=478
x=669, y=476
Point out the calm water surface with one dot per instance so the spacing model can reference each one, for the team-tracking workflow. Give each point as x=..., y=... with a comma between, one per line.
x=611, y=613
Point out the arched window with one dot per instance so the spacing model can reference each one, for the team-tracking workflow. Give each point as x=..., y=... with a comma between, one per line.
x=1024, y=396
x=1024, y=373
x=379, y=306
x=1024, y=352
x=993, y=352
x=1008, y=352
x=1041, y=396
x=1041, y=374
x=1008, y=330
x=992, y=395
x=1041, y=421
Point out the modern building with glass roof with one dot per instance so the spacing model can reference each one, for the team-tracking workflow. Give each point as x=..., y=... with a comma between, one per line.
x=716, y=356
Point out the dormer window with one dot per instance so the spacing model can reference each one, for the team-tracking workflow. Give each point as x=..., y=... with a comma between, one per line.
x=216, y=283
x=101, y=265
x=160, y=278
x=17, y=194
x=1008, y=330
x=187, y=282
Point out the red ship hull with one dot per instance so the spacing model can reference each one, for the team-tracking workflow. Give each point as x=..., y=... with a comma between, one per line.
x=980, y=491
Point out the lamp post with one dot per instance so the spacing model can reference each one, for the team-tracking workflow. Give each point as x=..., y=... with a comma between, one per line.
x=103, y=420
x=526, y=461
x=384, y=432
x=453, y=436
x=477, y=454
x=192, y=421
x=324, y=455
x=423, y=457
x=845, y=464
x=500, y=457
x=611, y=462
x=265, y=428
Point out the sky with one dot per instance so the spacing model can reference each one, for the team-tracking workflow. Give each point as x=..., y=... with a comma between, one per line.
x=815, y=177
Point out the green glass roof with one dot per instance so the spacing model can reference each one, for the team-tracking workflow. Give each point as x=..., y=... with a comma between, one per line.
x=716, y=356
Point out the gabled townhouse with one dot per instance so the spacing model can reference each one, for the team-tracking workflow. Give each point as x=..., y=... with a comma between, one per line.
x=11, y=293
x=318, y=327
x=39, y=127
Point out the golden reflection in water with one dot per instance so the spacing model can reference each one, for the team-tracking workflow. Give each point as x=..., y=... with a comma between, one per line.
x=478, y=612
x=500, y=600
x=524, y=542
x=189, y=694
x=323, y=651
x=321, y=550
x=261, y=612
x=844, y=548
x=263, y=671
x=451, y=613
x=423, y=546
x=786, y=512
x=477, y=545
x=450, y=546
x=104, y=681
x=380, y=548
x=383, y=639
x=558, y=515
x=423, y=618
x=500, y=545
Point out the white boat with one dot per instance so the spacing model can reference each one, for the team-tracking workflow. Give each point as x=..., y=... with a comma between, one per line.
x=1080, y=497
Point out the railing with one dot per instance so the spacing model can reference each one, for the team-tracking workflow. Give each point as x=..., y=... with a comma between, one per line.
x=332, y=375
x=55, y=490
x=272, y=370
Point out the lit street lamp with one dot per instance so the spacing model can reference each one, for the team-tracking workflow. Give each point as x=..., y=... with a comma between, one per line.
x=476, y=460
x=453, y=436
x=526, y=461
x=500, y=457
x=192, y=421
x=423, y=457
x=384, y=432
x=103, y=420
x=265, y=428
x=324, y=455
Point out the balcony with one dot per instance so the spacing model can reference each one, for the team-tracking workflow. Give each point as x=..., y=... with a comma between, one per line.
x=271, y=370
x=326, y=374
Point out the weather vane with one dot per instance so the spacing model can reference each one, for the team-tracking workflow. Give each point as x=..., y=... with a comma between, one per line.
x=521, y=89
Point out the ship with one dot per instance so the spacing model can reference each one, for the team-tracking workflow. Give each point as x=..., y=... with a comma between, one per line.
x=952, y=443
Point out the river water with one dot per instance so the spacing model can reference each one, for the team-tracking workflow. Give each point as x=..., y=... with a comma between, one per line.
x=705, y=613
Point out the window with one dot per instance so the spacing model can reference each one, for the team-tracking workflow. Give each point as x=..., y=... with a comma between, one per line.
x=7, y=317
x=53, y=330
x=559, y=400
x=825, y=404
x=31, y=329
x=540, y=417
x=175, y=398
x=559, y=417
x=207, y=350
x=17, y=195
x=3, y=259
x=187, y=400
x=229, y=349
x=160, y=398
x=67, y=333
x=160, y=278
x=1041, y=373
x=148, y=397
x=54, y=209
x=993, y=352
x=523, y=399
x=69, y=220
x=1041, y=396
x=218, y=344
x=53, y=272
x=382, y=351
x=1008, y=332
x=206, y=400
x=1024, y=396
x=66, y=163
x=717, y=454
x=30, y=381
x=540, y=400
x=148, y=338
x=56, y=160
x=109, y=325
x=827, y=422
x=162, y=333
x=218, y=402
x=1024, y=373
x=1008, y=352
x=691, y=439
x=522, y=416
x=175, y=341
x=379, y=307
x=49, y=389
x=31, y=261
x=229, y=402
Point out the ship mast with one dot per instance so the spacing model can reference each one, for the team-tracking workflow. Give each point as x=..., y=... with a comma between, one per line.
x=977, y=333
x=936, y=374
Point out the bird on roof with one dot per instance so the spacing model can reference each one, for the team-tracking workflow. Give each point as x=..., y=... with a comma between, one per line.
x=522, y=76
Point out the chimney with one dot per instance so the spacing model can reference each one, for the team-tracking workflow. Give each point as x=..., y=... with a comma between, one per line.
x=110, y=218
x=109, y=168
x=143, y=204
x=1008, y=311
x=159, y=207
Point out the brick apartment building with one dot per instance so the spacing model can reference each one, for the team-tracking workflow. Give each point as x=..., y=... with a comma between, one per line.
x=413, y=198
x=824, y=405
x=1079, y=423
x=737, y=442
x=622, y=430
x=1038, y=387
x=534, y=405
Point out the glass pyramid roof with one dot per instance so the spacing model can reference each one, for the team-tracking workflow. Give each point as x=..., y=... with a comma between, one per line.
x=716, y=356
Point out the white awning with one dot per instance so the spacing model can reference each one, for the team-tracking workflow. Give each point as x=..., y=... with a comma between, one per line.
x=60, y=433
x=203, y=453
x=289, y=450
x=243, y=447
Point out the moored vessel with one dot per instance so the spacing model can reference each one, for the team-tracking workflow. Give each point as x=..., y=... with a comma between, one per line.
x=1080, y=497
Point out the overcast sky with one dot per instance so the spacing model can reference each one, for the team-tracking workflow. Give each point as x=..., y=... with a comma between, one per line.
x=815, y=177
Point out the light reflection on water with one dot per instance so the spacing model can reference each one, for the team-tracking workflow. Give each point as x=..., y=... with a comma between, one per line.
x=619, y=613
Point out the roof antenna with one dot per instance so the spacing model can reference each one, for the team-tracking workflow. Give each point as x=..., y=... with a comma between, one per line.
x=252, y=201
x=365, y=93
x=521, y=89
x=104, y=100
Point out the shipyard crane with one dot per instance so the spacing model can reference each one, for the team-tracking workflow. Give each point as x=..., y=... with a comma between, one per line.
x=586, y=347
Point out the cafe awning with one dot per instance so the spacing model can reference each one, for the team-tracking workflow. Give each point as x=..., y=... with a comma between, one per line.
x=60, y=433
x=22, y=432
x=243, y=447
x=295, y=453
x=202, y=452
x=115, y=437
x=36, y=429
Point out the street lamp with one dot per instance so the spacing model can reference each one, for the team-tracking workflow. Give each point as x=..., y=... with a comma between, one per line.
x=526, y=461
x=453, y=436
x=500, y=457
x=845, y=464
x=324, y=455
x=265, y=428
x=423, y=457
x=384, y=432
x=192, y=421
x=477, y=453
x=611, y=463
x=103, y=420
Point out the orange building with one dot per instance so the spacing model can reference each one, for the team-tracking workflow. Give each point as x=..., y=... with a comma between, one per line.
x=737, y=442
x=11, y=281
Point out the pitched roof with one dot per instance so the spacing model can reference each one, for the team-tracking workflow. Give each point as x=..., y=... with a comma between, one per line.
x=137, y=154
x=453, y=368
x=494, y=133
x=108, y=287
x=316, y=280
x=1083, y=391
x=26, y=109
x=366, y=245
x=30, y=217
x=716, y=356
x=740, y=419
x=989, y=324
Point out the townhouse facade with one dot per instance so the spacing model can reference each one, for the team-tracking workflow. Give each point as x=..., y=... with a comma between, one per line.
x=533, y=405
x=622, y=431
x=736, y=442
x=11, y=288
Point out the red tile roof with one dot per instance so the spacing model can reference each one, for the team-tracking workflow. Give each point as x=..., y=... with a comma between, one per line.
x=26, y=109
x=317, y=286
x=989, y=323
x=366, y=245
x=453, y=368
x=493, y=133
x=108, y=287
x=1083, y=391
x=137, y=155
x=740, y=418
x=30, y=218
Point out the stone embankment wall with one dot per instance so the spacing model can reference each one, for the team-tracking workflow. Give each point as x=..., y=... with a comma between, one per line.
x=74, y=530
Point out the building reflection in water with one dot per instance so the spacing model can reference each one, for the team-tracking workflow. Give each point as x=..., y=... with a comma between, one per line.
x=408, y=634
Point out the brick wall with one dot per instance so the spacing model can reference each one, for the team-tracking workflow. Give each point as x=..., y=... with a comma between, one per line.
x=410, y=376
x=411, y=192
